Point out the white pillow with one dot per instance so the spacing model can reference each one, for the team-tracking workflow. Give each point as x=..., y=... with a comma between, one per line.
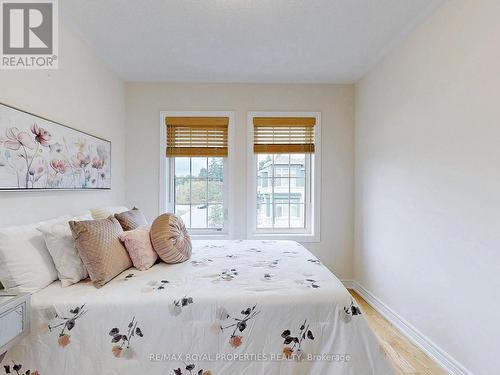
x=61, y=246
x=105, y=212
x=25, y=263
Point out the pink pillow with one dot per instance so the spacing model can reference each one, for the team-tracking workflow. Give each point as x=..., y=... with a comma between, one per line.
x=138, y=245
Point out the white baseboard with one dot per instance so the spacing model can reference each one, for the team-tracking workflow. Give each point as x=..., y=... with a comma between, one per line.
x=442, y=358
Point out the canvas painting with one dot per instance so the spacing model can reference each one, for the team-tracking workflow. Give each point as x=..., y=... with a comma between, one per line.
x=36, y=153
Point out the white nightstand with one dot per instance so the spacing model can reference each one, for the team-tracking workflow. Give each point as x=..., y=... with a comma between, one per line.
x=14, y=319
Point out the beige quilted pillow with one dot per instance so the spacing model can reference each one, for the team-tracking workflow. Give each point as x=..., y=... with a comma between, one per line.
x=170, y=239
x=132, y=219
x=99, y=246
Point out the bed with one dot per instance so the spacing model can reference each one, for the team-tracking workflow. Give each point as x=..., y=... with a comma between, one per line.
x=236, y=307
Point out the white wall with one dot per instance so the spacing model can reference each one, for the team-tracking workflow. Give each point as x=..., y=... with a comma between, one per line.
x=82, y=94
x=428, y=181
x=145, y=101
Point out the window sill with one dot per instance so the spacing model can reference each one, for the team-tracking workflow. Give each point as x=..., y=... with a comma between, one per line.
x=298, y=237
x=215, y=236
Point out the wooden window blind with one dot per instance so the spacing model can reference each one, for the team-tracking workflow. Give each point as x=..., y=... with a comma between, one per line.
x=197, y=136
x=283, y=135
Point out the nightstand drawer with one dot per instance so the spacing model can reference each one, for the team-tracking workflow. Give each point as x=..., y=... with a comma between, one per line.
x=14, y=319
x=11, y=324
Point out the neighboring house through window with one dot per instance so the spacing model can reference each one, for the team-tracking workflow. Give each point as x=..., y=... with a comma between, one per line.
x=281, y=197
x=284, y=175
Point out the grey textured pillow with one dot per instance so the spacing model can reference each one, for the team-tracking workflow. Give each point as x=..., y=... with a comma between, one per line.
x=132, y=219
x=100, y=248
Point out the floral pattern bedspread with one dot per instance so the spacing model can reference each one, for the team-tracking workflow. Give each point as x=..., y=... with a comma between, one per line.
x=236, y=307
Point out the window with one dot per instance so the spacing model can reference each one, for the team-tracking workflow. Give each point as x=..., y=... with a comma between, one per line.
x=198, y=196
x=281, y=190
x=196, y=158
x=284, y=175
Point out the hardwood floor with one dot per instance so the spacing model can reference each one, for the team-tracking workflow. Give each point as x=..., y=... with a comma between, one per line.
x=407, y=358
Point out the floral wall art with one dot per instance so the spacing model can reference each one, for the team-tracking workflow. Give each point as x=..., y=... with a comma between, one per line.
x=36, y=153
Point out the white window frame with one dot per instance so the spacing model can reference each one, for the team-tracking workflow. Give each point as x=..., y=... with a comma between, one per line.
x=166, y=180
x=311, y=233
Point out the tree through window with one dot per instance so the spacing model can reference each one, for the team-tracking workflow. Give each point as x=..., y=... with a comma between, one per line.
x=199, y=195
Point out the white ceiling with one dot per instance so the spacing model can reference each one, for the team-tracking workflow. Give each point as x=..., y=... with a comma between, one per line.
x=317, y=41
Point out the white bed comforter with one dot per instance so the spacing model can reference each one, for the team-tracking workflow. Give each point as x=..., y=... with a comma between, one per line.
x=236, y=307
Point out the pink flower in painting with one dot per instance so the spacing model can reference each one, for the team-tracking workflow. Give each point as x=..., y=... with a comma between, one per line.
x=58, y=165
x=97, y=163
x=81, y=160
x=37, y=170
x=42, y=136
x=17, y=139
